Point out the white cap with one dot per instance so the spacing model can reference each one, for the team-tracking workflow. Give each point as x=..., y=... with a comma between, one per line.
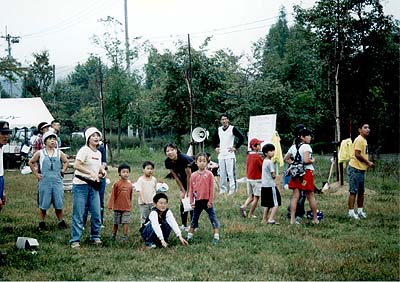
x=90, y=131
x=47, y=135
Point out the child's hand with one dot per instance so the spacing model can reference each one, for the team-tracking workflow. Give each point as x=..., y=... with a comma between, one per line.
x=183, y=241
x=164, y=244
x=192, y=205
x=209, y=205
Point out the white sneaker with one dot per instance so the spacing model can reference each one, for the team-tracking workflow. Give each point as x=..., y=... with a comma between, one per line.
x=362, y=214
x=75, y=245
x=353, y=215
x=97, y=242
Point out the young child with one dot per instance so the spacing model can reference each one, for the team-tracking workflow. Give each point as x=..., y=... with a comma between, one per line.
x=253, y=173
x=270, y=196
x=201, y=194
x=358, y=164
x=121, y=201
x=212, y=166
x=155, y=231
x=146, y=186
x=305, y=183
x=53, y=164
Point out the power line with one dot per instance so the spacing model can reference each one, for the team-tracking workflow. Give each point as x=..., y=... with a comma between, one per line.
x=71, y=21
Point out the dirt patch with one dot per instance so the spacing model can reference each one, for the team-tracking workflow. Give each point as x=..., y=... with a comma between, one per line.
x=336, y=189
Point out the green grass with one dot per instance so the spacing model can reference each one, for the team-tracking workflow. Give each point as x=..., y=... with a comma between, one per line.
x=337, y=249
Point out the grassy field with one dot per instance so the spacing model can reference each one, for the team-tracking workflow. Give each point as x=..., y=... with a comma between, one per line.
x=336, y=249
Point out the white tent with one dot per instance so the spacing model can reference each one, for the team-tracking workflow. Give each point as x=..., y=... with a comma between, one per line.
x=24, y=112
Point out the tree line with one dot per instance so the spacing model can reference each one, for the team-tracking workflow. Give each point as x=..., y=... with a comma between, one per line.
x=342, y=50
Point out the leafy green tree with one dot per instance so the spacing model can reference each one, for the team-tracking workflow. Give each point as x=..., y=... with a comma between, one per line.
x=213, y=77
x=120, y=85
x=358, y=38
x=39, y=76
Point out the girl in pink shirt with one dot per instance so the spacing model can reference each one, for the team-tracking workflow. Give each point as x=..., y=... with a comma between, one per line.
x=201, y=194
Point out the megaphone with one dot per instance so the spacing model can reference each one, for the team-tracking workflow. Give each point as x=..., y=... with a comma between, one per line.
x=199, y=134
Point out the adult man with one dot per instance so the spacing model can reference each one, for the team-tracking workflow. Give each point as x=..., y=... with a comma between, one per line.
x=56, y=126
x=223, y=142
x=4, y=132
x=358, y=164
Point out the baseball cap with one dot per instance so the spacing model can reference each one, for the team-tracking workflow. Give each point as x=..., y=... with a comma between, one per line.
x=254, y=142
x=4, y=127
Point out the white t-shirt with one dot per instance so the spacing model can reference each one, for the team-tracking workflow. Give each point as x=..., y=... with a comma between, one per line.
x=148, y=187
x=90, y=159
x=266, y=174
x=303, y=148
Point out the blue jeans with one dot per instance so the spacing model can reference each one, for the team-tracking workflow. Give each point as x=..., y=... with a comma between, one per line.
x=150, y=237
x=83, y=194
x=101, y=194
x=199, y=206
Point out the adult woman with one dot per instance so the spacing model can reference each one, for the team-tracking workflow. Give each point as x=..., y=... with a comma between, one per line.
x=179, y=165
x=306, y=182
x=85, y=188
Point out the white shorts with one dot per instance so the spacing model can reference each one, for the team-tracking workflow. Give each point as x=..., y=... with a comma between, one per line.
x=254, y=187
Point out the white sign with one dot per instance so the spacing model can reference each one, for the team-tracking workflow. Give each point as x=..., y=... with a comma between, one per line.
x=262, y=127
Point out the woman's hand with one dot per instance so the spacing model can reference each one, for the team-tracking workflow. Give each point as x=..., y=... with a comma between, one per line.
x=94, y=176
x=38, y=176
x=182, y=194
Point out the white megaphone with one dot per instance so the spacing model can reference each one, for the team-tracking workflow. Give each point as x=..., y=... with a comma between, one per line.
x=199, y=134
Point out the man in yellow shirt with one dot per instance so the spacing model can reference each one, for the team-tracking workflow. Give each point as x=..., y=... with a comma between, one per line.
x=358, y=164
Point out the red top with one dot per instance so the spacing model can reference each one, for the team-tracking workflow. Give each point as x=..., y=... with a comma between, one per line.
x=121, y=196
x=202, y=183
x=254, y=166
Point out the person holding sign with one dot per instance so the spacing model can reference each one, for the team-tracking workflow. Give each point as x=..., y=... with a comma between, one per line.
x=225, y=147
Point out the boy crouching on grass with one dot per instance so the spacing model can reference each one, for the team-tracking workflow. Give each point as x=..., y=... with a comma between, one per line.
x=270, y=196
x=155, y=231
x=121, y=201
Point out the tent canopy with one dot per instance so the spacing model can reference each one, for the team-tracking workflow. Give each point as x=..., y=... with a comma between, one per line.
x=24, y=112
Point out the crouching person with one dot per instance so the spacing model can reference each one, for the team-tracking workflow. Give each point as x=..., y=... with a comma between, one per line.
x=155, y=231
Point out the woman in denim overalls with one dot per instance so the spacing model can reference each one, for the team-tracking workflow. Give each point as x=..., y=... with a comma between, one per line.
x=53, y=163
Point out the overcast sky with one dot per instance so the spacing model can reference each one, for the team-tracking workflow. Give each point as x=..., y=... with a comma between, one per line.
x=64, y=28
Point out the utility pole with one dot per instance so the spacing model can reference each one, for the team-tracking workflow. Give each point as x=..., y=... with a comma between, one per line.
x=128, y=63
x=10, y=39
x=188, y=79
x=106, y=142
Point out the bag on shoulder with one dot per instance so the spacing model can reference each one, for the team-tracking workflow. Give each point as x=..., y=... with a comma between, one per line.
x=296, y=168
